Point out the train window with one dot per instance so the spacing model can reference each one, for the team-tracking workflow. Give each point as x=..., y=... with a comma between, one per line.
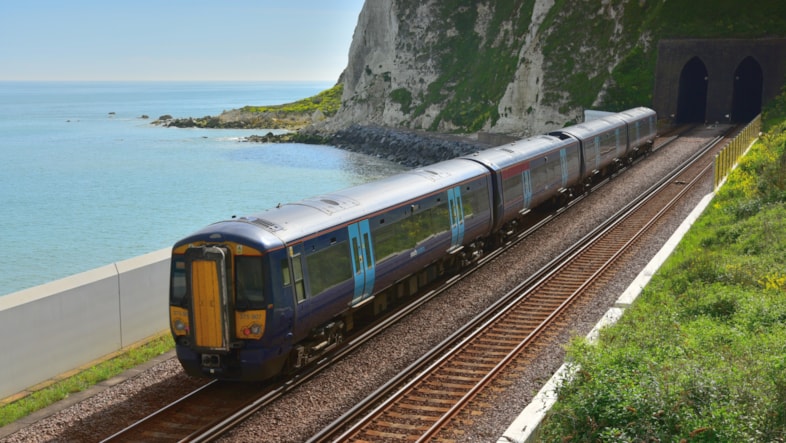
x=367, y=245
x=387, y=240
x=286, y=278
x=297, y=268
x=329, y=267
x=398, y=235
x=358, y=258
x=177, y=292
x=540, y=176
x=249, y=284
x=512, y=191
x=475, y=201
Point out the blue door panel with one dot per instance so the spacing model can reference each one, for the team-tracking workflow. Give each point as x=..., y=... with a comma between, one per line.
x=363, y=267
x=456, y=211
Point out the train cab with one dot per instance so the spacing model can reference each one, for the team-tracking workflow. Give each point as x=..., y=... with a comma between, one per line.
x=230, y=313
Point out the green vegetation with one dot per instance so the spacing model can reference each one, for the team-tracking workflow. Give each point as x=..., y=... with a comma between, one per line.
x=403, y=97
x=580, y=43
x=474, y=70
x=327, y=102
x=701, y=355
x=579, y=40
x=84, y=380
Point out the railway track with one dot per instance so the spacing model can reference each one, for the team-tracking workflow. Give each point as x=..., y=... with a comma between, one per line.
x=197, y=416
x=215, y=408
x=440, y=394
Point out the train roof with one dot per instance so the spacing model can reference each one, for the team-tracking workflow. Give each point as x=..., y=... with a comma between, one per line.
x=590, y=129
x=504, y=156
x=292, y=221
x=634, y=114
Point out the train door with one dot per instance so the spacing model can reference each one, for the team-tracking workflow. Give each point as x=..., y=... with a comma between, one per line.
x=207, y=281
x=596, y=149
x=363, y=266
x=303, y=307
x=619, y=148
x=456, y=210
x=527, y=183
x=563, y=163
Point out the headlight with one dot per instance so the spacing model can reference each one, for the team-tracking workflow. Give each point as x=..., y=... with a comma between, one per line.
x=179, y=320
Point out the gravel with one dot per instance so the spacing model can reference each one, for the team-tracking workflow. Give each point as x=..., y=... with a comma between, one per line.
x=307, y=409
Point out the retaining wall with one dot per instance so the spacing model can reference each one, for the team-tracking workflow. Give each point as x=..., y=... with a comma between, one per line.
x=62, y=325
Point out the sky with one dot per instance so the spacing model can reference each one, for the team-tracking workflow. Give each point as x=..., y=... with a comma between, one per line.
x=175, y=40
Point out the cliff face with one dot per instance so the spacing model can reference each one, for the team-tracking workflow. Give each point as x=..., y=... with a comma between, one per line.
x=466, y=66
x=521, y=66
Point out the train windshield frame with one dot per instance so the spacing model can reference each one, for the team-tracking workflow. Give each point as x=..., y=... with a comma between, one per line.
x=178, y=286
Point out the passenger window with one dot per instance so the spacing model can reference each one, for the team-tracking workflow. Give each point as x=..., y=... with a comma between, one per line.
x=512, y=190
x=358, y=255
x=285, y=277
x=300, y=288
x=328, y=267
x=367, y=243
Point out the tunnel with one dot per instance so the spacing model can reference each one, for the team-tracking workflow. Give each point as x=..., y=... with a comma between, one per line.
x=747, y=96
x=692, y=101
x=717, y=79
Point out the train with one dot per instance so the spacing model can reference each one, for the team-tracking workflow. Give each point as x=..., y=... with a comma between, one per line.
x=256, y=296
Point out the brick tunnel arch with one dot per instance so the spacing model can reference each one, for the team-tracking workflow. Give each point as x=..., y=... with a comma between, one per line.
x=748, y=87
x=692, y=100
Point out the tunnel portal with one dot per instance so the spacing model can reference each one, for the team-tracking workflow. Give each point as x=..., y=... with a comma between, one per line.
x=717, y=80
x=692, y=104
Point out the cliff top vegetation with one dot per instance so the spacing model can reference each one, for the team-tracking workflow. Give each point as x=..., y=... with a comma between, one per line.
x=327, y=102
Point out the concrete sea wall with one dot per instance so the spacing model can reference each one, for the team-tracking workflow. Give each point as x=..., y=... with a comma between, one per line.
x=56, y=327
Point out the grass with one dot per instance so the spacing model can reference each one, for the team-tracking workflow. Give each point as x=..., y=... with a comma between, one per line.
x=327, y=102
x=60, y=390
x=701, y=355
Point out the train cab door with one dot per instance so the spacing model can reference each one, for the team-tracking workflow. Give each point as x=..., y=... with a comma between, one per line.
x=207, y=283
x=456, y=209
x=363, y=265
x=526, y=182
x=303, y=303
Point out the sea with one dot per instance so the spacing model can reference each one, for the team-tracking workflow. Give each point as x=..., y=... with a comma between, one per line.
x=86, y=180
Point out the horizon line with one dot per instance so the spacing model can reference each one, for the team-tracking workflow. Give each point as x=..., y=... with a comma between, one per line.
x=168, y=80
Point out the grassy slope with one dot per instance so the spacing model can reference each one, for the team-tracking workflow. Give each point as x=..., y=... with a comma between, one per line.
x=327, y=102
x=701, y=356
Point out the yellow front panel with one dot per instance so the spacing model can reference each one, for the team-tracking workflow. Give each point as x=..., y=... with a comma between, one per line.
x=206, y=290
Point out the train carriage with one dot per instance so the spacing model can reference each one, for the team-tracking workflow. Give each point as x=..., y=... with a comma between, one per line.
x=531, y=172
x=642, y=129
x=603, y=142
x=294, y=275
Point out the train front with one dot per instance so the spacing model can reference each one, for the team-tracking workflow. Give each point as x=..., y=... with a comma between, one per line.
x=227, y=319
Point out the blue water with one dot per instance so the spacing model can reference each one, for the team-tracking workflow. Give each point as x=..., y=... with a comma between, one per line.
x=85, y=181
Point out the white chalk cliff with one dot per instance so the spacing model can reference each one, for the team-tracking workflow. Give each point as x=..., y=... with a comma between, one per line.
x=501, y=66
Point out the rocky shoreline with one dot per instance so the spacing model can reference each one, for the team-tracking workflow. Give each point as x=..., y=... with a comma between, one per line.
x=408, y=148
x=405, y=147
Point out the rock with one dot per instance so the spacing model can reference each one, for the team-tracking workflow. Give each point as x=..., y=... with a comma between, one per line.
x=409, y=148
